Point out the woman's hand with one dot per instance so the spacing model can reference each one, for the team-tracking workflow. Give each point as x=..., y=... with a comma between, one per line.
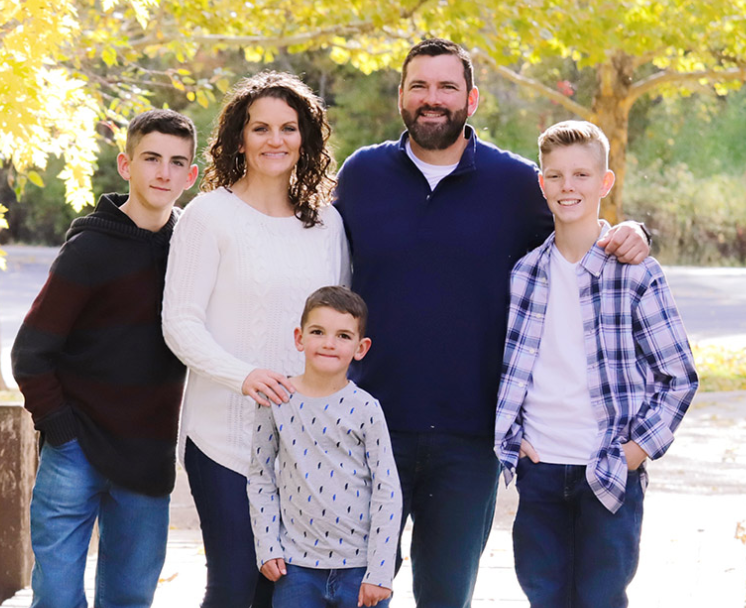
x=264, y=385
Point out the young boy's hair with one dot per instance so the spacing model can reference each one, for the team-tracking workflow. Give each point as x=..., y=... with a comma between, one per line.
x=160, y=121
x=572, y=132
x=340, y=299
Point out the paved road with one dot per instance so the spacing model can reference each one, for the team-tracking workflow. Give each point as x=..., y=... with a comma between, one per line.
x=712, y=301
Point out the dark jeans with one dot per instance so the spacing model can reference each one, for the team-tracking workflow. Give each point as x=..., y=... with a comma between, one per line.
x=449, y=486
x=233, y=580
x=320, y=588
x=570, y=551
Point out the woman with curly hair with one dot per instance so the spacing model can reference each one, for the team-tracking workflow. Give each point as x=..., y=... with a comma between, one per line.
x=244, y=256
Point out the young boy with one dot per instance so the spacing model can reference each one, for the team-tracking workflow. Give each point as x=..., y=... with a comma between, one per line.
x=101, y=385
x=596, y=377
x=326, y=516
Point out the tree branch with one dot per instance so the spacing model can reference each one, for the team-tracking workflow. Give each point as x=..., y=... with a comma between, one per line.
x=658, y=79
x=345, y=30
x=534, y=85
x=638, y=61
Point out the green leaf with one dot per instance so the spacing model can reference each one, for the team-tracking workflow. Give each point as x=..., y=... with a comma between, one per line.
x=35, y=179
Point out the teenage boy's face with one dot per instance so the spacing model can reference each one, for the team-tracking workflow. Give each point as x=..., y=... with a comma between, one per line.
x=574, y=180
x=159, y=170
x=330, y=340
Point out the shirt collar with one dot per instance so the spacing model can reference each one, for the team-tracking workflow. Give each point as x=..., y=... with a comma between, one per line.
x=593, y=261
x=468, y=157
x=596, y=258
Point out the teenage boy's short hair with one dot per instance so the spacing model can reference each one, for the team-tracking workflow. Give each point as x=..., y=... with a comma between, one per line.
x=572, y=132
x=433, y=47
x=340, y=299
x=160, y=121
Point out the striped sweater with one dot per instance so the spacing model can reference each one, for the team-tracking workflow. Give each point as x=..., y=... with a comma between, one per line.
x=90, y=358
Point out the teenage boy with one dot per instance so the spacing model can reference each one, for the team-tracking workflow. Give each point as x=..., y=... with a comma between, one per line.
x=101, y=385
x=435, y=222
x=597, y=375
x=326, y=515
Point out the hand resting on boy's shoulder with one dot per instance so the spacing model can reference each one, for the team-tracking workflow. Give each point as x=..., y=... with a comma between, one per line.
x=623, y=242
x=266, y=387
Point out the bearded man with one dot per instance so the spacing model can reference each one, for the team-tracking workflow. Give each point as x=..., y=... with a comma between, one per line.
x=435, y=223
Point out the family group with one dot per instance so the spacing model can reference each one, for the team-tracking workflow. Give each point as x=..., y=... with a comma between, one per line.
x=362, y=348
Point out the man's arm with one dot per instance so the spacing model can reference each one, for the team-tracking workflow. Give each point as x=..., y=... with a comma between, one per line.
x=627, y=241
x=264, y=498
x=662, y=342
x=41, y=340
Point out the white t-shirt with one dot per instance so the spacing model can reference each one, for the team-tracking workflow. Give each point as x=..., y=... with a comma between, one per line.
x=433, y=173
x=558, y=417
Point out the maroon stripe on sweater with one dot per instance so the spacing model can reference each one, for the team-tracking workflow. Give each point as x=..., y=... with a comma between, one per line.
x=43, y=391
x=145, y=411
x=131, y=299
x=57, y=306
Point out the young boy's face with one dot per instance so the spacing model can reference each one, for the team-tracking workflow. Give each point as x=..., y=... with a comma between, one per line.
x=159, y=170
x=330, y=340
x=574, y=180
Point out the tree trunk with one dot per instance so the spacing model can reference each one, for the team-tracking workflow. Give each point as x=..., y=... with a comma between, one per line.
x=611, y=107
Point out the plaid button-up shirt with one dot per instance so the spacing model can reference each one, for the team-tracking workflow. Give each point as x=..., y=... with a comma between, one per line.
x=641, y=373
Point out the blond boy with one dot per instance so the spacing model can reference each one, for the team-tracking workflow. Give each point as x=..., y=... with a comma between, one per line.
x=597, y=375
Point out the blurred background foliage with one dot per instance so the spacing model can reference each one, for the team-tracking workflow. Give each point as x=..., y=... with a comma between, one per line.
x=686, y=175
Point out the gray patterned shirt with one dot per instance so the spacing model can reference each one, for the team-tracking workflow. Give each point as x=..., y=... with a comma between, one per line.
x=323, y=487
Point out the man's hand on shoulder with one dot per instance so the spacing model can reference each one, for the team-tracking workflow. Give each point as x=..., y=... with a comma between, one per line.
x=627, y=242
x=274, y=569
x=370, y=595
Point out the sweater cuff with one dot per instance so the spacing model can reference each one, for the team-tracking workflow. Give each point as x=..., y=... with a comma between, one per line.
x=59, y=428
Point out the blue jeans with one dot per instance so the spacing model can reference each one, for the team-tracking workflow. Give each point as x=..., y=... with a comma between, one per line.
x=133, y=529
x=449, y=487
x=233, y=580
x=570, y=551
x=318, y=588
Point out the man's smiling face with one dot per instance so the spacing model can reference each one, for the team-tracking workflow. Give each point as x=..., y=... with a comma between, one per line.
x=434, y=102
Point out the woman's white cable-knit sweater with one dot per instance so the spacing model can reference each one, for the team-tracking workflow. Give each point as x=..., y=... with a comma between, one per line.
x=236, y=283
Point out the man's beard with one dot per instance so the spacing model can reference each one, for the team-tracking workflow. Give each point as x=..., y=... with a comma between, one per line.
x=435, y=136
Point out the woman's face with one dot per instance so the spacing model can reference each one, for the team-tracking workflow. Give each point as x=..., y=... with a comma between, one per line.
x=271, y=139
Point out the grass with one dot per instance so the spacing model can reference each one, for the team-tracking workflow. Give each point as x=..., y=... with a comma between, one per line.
x=720, y=368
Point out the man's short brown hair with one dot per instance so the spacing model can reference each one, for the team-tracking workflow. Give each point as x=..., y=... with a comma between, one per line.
x=434, y=47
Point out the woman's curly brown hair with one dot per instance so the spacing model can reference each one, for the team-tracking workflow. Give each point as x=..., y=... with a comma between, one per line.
x=312, y=181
